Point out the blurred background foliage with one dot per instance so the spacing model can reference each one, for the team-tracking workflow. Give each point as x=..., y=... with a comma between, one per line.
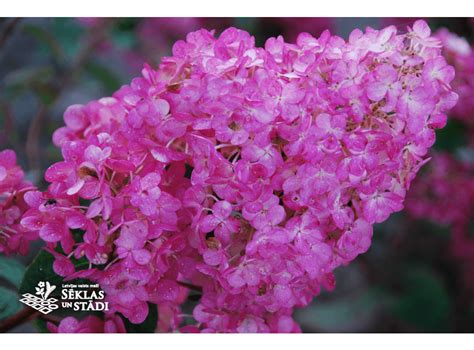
x=407, y=282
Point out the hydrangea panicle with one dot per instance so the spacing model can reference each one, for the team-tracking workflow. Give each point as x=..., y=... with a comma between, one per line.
x=250, y=173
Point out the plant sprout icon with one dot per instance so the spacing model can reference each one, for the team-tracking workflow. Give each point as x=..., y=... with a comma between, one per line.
x=40, y=290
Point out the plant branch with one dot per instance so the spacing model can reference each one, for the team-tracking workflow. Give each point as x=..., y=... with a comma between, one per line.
x=19, y=318
x=9, y=124
x=23, y=316
x=190, y=286
x=33, y=139
x=10, y=26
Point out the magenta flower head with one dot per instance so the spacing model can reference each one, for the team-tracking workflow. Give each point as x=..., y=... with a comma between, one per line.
x=248, y=173
x=14, y=237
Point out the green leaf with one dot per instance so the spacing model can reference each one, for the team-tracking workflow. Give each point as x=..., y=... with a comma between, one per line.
x=41, y=269
x=46, y=94
x=11, y=270
x=425, y=303
x=108, y=78
x=127, y=24
x=124, y=40
x=342, y=314
x=17, y=81
x=68, y=32
x=148, y=326
x=47, y=39
x=41, y=325
x=9, y=304
x=452, y=137
x=246, y=23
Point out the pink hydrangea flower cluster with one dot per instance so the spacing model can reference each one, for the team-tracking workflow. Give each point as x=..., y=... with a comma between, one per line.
x=89, y=324
x=14, y=237
x=445, y=191
x=248, y=173
x=459, y=54
x=445, y=195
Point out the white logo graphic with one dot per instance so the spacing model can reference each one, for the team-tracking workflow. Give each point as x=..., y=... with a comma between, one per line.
x=41, y=303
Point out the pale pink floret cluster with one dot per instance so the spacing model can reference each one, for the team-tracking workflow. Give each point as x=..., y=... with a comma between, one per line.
x=250, y=173
x=14, y=237
x=458, y=53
